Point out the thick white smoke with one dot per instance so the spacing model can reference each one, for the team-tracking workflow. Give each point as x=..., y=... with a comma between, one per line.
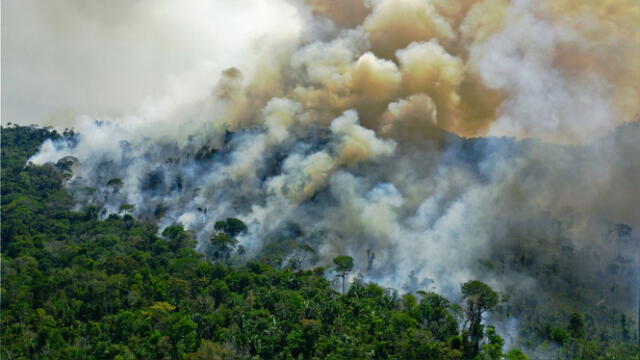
x=350, y=129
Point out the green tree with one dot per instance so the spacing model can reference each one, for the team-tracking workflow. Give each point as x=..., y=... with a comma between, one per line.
x=479, y=298
x=516, y=354
x=222, y=245
x=178, y=237
x=576, y=325
x=493, y=348
x=224, y=241
x=344, y=264
x=232, y=227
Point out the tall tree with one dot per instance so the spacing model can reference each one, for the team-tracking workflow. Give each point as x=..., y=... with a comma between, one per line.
x=222, y=245
x=344, y=264
x=479, y=298
x=232, y=226
x=224, y=241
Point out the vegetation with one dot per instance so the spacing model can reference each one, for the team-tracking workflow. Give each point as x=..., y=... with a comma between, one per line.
x=344, y=264
x=479, y=298
x=77, y=287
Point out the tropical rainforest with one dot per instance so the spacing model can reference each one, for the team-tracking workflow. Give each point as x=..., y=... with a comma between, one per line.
x=78, y=287
x=320, y=179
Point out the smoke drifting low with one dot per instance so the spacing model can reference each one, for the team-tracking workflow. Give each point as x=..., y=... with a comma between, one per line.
x=367, y=130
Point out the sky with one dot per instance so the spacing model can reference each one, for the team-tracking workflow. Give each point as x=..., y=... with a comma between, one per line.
x=64, y=59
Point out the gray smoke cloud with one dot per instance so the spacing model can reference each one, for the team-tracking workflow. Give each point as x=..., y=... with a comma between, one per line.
x=61, y=59
x=367, y=133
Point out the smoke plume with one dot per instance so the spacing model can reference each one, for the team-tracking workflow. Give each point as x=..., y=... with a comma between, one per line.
x=433, y=134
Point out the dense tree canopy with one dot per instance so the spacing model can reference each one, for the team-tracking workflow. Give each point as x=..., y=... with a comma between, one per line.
x=75, y=286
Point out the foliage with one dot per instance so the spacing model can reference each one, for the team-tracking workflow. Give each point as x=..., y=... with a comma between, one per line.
x=76, y=287
x=479, y=298
x=224, y=242
x=232, y=227
x=480, y=295
x=516, y=355
x=344, y=264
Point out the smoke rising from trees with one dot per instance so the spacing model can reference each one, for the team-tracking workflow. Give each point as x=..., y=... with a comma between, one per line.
x=434, y=134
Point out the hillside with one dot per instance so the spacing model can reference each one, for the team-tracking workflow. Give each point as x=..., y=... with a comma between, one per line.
x=77, y=287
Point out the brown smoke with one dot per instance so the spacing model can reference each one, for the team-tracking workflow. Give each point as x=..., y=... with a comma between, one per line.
x=342, y=128
x=344, y=13
x=445, y=51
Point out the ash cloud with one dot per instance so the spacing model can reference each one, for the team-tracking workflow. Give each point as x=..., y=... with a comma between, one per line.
x=368, y=132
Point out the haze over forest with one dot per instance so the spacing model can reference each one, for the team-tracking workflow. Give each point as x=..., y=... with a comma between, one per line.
x=434, y=143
